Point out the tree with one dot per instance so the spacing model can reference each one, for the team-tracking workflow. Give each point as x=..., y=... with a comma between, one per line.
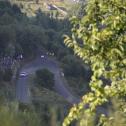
x=30, y=38
x=99, y=39
x=45, y=78
x=7, y=37
x=69, y=62
x=7, y=75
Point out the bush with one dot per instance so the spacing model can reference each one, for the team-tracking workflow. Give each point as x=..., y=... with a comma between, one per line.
x=7, y=75
x=44, y=78
x=1, y=75
x=72, y=66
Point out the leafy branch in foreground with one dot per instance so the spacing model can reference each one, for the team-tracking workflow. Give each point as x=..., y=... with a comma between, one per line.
x=99, y=38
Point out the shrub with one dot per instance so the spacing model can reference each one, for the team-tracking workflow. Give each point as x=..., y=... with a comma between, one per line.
x=44, y=78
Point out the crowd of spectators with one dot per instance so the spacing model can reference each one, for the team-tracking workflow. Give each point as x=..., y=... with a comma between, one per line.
x=8, y=62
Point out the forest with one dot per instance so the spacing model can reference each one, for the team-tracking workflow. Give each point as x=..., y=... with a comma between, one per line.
x=22, y=39
x=62, y=70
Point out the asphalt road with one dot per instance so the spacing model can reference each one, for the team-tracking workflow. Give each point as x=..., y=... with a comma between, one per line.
x=22, y=87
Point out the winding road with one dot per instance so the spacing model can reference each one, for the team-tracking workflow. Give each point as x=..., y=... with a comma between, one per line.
x=22, y=87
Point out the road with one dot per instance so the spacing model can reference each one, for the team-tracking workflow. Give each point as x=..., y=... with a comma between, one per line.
x=22, y=87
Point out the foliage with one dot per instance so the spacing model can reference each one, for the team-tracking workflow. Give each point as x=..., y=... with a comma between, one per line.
x=45, y=78
x=11, y=116
x=50, y=106
x=7, y=75
x=32, y=33
x=117, y=114
x=1, y=75
x=79, y=85
x=22, y=35
x=99, y=39
x=50, y=113
x=27, y=36
x=7, y=37
x=76, y=73
x=70, y=62
x=77, y=9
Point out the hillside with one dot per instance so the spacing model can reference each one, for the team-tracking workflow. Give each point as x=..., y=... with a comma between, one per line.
x=54, y=8
x=25, y=37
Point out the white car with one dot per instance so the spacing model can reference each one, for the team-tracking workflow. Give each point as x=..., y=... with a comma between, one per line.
x=42, y=56
x=23, y=74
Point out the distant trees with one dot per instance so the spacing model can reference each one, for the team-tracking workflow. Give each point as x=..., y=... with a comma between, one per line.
x=20, y=35
x=30, y=38
x=77, y=74
x=44, y=78
x=71, y=67
x=41, y=32
x=7, y=75
x=7, y=37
